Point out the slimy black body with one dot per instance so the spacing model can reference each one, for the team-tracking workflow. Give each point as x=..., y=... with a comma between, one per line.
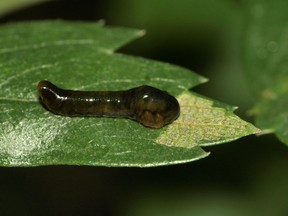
x=148, y=105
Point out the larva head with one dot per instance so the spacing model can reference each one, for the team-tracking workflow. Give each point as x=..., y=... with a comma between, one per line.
x=48, y=94
x=153, y=107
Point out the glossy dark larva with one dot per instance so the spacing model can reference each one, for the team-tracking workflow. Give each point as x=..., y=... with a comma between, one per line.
x=148, y=105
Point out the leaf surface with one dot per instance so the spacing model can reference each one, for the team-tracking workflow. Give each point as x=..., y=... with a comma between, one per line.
x=9, y=5
x=81, y=56
x=266, y=59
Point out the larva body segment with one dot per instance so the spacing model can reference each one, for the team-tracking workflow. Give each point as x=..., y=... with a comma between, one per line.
x=148, y=105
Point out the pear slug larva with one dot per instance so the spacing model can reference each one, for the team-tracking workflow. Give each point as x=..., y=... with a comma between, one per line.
x=148, y=105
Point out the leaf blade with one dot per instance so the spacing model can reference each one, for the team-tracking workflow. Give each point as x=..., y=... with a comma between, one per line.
x=32, y=136
x=266, y=58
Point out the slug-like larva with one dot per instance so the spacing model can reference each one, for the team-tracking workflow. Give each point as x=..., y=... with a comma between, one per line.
x=148, y=105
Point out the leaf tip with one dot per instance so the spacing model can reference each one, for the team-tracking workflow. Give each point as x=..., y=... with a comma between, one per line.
x=141, y=33
x=203, y=79
x=259, y=131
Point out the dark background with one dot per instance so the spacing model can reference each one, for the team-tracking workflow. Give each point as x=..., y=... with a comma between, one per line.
x=244, y=177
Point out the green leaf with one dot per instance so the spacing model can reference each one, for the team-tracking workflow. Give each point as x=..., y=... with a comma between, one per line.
x=192, y=13
x=266, y=59
x=9, y=5
x=204, y=122
x=81, y=56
